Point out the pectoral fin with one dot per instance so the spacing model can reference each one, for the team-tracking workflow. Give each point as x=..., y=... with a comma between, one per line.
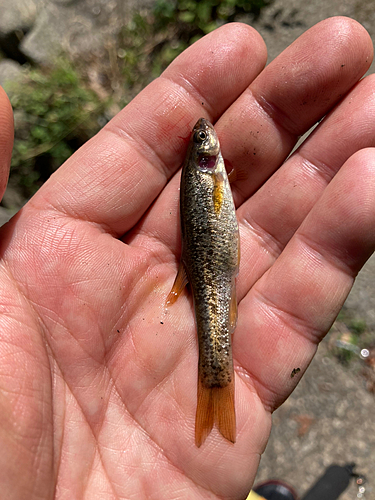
x=179, y=284
x=232, y=176
x=237, y=174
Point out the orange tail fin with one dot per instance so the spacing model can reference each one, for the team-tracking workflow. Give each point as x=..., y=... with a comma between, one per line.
x=215, y=404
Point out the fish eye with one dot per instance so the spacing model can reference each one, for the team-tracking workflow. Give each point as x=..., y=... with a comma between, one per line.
x=200, y=136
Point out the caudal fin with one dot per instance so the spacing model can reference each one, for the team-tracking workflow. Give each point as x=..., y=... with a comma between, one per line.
x=215, y=405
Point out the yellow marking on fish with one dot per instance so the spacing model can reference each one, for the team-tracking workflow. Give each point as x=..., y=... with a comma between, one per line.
x=218, y=193
x=233, y=308
x=238, y=249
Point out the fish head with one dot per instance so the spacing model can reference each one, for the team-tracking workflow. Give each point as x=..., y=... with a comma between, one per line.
x=205, y=146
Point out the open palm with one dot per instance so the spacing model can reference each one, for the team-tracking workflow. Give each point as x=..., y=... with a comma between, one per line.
x=97, y=380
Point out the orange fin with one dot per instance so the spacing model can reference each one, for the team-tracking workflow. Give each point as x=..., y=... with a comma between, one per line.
x=232, y=176
x=233, y=309
x=225, y=414
x=237, y=174
x=204, y=418
x=215, y=404
x=179, y=284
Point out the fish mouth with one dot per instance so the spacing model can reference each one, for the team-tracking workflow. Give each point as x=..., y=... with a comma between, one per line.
x=207, y=163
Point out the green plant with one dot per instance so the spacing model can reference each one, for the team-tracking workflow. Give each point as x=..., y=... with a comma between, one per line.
x=357, y=326
x=152, y=39
x=55, y=111
x=347, y=336
x=204, y=16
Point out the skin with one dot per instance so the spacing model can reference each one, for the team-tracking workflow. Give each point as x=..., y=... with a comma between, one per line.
x=97, y=397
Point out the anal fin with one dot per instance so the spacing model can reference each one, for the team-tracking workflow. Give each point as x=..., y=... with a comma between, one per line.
x=179, y=284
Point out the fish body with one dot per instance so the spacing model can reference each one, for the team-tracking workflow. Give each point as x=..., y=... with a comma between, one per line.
x=210, y=262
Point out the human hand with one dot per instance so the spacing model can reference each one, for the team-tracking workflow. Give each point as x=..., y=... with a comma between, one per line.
x=98, y=382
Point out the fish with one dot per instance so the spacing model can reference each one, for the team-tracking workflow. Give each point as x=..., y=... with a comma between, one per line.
x=209, y=262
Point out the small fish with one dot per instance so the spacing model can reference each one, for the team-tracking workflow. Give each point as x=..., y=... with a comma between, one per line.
x=209, y=262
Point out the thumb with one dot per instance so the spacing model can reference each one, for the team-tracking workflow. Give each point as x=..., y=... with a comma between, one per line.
x=6, y=139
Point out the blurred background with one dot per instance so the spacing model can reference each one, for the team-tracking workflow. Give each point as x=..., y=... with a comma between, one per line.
x=69, y=66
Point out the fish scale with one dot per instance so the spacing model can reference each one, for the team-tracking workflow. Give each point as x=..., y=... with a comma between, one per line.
x=209, y=262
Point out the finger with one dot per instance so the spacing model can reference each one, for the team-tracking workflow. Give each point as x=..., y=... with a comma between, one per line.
x=298, y=88
x=272, y=215
x=115, y=177
x=292, y=306
x=6, y=139
x=277, y=202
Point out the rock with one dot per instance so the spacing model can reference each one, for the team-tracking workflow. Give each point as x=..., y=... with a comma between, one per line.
x=12, y=200
x=76, y=27
x=5, y=215
x=61, y=29
x=18, y=15
x=17, y=18
x=39, y=30
x=66, y=2
x=10, y=71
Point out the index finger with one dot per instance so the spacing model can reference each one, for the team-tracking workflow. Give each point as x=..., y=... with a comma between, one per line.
x=114, y=178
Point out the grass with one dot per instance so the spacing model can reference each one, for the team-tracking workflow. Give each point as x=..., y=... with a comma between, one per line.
x=55, y=111
x=348, y=335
